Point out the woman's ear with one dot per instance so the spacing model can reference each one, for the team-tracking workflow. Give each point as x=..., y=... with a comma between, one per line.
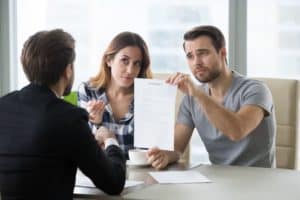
x=108, y=61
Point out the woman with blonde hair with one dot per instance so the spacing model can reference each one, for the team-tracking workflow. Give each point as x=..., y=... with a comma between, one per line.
x=108, y=97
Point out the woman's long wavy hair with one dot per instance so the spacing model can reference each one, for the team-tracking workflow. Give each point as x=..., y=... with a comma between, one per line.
x=120, y=41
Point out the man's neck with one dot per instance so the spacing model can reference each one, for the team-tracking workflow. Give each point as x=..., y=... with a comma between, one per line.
x=57, y=90
x=219, y=87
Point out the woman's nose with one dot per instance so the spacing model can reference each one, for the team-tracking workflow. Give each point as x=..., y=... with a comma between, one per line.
x=130, y=68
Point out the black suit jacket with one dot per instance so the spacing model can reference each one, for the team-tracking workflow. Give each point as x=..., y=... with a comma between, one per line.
x=42, y=142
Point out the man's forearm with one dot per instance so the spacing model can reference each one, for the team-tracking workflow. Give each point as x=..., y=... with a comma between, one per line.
x=173, y=156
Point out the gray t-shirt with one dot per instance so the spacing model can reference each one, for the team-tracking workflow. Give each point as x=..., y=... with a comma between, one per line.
x=258, y=148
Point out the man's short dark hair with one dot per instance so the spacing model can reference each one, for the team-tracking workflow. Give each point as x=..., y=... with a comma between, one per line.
x=46, y=54
x=212, y=32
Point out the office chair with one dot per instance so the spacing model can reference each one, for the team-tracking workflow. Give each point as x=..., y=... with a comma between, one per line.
x=285, y=94
x=71, y=98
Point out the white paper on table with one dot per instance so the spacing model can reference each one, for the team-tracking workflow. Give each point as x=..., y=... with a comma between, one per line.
x=179, y=177
x=84, y=181
x=131, y=183
x=154, y=114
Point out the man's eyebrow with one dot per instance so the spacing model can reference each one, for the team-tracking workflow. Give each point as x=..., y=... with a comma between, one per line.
x=201, y=50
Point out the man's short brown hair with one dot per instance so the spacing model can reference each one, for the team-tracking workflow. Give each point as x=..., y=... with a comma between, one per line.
x=212, y=32
x=46, y=54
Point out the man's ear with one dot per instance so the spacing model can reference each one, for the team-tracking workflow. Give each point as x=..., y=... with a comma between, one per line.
x=223, y=52
x=68, y=71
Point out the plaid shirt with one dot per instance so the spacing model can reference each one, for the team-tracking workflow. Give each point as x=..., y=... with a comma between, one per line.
x=123, y=129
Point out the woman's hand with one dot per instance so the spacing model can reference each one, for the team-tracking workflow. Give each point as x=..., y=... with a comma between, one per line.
x=95, y=109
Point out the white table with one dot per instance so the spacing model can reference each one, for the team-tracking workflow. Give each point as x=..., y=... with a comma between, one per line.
x=228, y=182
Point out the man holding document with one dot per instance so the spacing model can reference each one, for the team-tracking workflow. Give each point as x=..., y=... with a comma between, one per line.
x=233, y=115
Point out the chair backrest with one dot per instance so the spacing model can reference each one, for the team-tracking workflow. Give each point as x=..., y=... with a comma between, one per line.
x=71, y=98
x=285, y=94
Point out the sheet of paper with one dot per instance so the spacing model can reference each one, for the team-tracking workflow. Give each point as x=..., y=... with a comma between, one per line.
x=84, y=181
x=131, y=183
x=179, y=177
x=154, y=113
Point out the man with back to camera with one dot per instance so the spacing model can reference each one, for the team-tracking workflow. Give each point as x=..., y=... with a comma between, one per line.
x=43, y=139
x=233, y=115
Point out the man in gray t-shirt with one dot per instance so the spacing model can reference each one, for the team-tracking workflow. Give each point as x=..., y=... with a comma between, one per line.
x=257, y=148
x=233, y=115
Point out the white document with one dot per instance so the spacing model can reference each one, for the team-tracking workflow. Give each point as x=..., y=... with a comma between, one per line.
x=154, y=114
x=179, y=177
x=84, y=181
x=131, y=183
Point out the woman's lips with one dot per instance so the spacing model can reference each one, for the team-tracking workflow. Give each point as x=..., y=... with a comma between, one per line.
x=127, y=78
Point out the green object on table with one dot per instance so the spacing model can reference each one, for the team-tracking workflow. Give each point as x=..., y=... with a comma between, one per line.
x=71, y=98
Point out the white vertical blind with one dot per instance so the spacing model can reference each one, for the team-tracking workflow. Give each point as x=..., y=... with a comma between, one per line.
x=274, y=38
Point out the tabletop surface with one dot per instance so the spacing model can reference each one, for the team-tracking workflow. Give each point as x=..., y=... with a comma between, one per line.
x=228, y=182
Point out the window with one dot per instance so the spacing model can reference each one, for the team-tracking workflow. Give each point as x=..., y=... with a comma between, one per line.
x=94, y=23
x=274, y=38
